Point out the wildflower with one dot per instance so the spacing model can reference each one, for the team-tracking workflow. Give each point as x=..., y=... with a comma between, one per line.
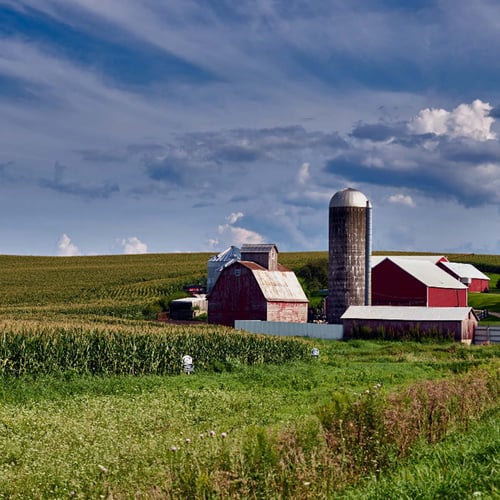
x=103, y=469
x=174, y=449
x=224, y=434
x=202, y=435
x=212, y=433
x=306, y=483
x=367, y=391
x=188, y=440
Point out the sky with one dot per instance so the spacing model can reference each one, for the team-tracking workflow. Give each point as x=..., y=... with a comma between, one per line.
x=149, y=126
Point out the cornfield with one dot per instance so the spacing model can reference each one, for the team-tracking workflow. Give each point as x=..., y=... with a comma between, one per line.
x=121, y=350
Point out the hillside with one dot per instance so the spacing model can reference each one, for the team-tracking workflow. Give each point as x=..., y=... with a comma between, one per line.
x=124, y=285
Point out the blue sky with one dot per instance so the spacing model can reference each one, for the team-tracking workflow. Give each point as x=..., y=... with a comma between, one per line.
x=148, y=126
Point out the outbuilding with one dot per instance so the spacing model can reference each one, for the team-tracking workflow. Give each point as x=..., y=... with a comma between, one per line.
x=467, y=274
x=397, y=322
x=266, y=291
x=399, y=281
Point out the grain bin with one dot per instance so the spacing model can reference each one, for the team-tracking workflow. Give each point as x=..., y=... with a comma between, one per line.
x=349, y=252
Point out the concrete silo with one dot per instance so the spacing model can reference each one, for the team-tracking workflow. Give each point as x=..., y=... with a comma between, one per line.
x=349, y=252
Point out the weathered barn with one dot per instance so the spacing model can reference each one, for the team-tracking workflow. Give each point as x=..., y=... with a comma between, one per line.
x=467, y=274
x=460, y=322
x=398, y=281
x=249, y=290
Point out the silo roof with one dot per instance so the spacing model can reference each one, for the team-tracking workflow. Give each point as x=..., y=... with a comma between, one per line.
x=349, y=197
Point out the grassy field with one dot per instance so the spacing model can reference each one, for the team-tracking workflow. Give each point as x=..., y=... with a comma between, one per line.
x=93, y=402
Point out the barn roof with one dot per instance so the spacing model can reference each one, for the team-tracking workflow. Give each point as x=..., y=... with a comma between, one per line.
x=376, y=259
x=277, y=286
x=427, y=273
x=465, y=270
x=258, y=248
x=407, y=313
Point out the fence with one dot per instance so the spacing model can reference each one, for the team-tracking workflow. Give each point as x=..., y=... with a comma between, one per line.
x=283, y=329
x=487, y=335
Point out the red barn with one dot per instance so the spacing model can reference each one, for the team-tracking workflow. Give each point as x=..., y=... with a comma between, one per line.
x=398, y=281
x=248, y=290
x=457, y=321
x=468, y=275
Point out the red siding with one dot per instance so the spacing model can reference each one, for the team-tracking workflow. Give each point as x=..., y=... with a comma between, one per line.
x=447, y=297
x=392, y=286
x=290, y=312
x=478, y=285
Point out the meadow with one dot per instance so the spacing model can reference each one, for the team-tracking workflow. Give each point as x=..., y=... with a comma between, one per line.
x=94, y=403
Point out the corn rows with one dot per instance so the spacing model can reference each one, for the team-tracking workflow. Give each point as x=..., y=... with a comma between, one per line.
x=118, y=352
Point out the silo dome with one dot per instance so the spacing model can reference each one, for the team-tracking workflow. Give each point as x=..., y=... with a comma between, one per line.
x=349, y=197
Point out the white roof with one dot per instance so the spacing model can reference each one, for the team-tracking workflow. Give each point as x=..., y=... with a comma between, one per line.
x=427, y=272
x=376, y=259
x=465, y=270
x=407, y=313
x=280, y=286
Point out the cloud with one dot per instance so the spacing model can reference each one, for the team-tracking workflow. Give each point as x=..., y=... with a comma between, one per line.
x=234, y=217
x=240, y=235
x=401, y=199
x=304, y=174
x=88, y=192
x=66, y=248
x=133, y=245
x=471, y=121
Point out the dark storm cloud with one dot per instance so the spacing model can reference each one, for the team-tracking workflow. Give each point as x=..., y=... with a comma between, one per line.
x=169, y=170
x=377, y=132
x=89, y=192
x=471, y=152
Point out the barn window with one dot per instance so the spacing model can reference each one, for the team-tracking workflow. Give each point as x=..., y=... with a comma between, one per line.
x=237, y=272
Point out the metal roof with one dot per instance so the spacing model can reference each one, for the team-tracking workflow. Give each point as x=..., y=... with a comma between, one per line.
x=407, y=313
x=349, y=197
x=277, y=286
x=227, y=255
x=465, y=270
x=258, y=248
x=376, y=259
x=427, y=273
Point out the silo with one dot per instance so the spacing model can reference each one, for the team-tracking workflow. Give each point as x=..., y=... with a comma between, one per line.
x=349, y=268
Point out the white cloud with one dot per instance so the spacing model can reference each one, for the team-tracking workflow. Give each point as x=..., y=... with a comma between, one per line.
x=304, y=174
x=234, y=217
x=470, y=121
x=402, y=199
x=66, y=248
x=133, y=245
x=233, y=235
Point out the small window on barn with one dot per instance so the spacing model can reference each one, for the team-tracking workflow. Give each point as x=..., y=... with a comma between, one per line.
x=237, y=272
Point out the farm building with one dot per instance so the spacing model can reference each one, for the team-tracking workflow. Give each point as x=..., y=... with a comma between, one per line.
x=467, y=274
x=399, y=281
x=218, y=262
x=262, y=290
x=188, y=308
x=457, y=321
